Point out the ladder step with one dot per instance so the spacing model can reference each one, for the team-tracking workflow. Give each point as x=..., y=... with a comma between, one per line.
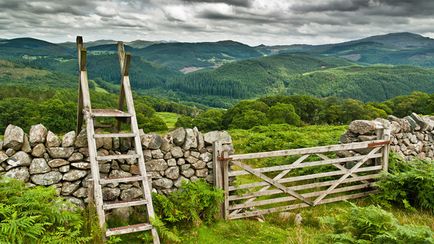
x=104, y=181
x=121, y=156
x=114, y=135
x=110, y=113
x=113, y=205
x=128, y=229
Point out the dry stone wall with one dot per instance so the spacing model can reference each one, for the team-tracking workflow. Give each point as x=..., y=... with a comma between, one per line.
x=43, y=158
x=410, y=137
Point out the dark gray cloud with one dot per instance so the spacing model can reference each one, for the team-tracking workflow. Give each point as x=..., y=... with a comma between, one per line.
x=241, y=3
x=249, y=21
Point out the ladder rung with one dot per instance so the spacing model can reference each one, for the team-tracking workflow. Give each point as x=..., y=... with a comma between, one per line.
x=109, y=113
x=114, y=135
x=120, y=156
x=108, y=206
x=104, y=181
x=128, y=229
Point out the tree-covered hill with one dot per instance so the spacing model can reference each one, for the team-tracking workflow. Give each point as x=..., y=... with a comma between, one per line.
x=371, y=83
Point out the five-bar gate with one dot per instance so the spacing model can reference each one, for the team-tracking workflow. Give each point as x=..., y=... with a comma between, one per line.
x=303, y=177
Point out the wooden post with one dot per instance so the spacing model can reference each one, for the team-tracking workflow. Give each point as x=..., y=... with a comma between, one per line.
x=216, y=165
x=225, y=175
x=386, y=149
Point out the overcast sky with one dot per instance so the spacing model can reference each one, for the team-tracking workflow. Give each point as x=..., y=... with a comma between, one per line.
x=249, y=21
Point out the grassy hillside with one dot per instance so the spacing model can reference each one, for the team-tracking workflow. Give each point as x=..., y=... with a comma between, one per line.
x=372, y=83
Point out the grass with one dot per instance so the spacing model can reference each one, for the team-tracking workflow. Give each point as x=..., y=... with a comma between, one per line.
x=169, y=118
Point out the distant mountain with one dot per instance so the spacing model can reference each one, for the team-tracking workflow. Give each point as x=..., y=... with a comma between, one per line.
x=31, y=47
x=395, y=48
x=203, y=54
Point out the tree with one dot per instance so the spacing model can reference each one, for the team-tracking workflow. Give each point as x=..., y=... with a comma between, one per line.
x=248, y=119
x=283, y=113
x=209, y=120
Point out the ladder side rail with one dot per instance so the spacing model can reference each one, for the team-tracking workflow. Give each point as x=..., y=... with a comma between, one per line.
x=79, y=42
x=121, y=55
x=139, y=150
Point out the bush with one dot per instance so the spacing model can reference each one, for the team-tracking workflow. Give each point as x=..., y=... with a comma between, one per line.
x=373, y=225
x=195, y=202
x=409, y=184
x=37, y=215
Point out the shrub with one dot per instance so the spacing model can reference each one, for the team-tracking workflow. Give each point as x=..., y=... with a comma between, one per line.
x=409, y=184
x=195, y=202
x=37, y=215
x=372, y=225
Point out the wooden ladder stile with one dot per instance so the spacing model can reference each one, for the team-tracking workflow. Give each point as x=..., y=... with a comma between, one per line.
x=86, y=113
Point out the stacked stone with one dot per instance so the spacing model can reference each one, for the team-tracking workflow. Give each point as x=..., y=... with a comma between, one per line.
x=42, y=158
x=411, y=136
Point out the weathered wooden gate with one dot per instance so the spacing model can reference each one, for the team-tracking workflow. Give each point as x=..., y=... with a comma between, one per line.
x=308, y=176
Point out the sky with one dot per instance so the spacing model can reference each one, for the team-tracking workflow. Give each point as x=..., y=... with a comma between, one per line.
x=254, y=22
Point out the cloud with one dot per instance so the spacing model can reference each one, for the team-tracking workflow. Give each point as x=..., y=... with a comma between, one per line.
x=249, y=21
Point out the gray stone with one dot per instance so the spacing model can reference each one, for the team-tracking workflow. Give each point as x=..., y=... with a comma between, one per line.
x=185, y=166
x=81, y=139
x=116, y=143
x=13, y=137
x=147, y=155
x=171, y=162
x=47, y=179
x=131, y=160
x=131, y=193
x=367, y=138
x=57, y=163
x=162, y=183
x=199, y=138
x=190, y=139
x=156, y=165
x=104, y=168
x=179, y=181
x=166, y=145
x=221, y=136
x=74, y=175
x=38, y=150
x=84, y=151
x=199, y=165
x=362, y=127
x=180, y=161
x=39, y=166
x=69, y=187
x=10, y=152
x=3, y=156
x=188, y=172
x=81, y=192
x=191, y=159
x=122, y=214
x=64, y=169
x=194, y=154
x=76, y=157
x=81, y=165
x=119, y=174
x=52, y=140
x=19, y=159
x=20, y=173
x=172, y=173
x=60, y=152
x=157, y=154
x=202, y=173
x=126, y=167
x=206, y=157
x=413, y=124
x=423, y=125
x=155, y=142
x=167, y=156
x=178, y=136
x=395, y=127
x=110, y=194
x=37, y=134
x=125, y=144
x=77, y=202
x=68, y=139
x=177, y=152
x=26, y=145
x=99, y=142
x=107, y=143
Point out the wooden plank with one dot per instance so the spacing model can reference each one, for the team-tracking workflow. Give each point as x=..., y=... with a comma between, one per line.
x=110, y=113
x=217, y=173
x=339, y=166
x=271, y=181
x=301, y=151
x=116, y=135
x=119, y=156
x=121, y=56
x=83, y=59
x=104, y=181
x=124, y=204
x=300, y=205
x=282, y=174
x=306, y=164
x=287, y=180
x=225, y=169
x=290, y=198
x=349, y=172
x=128, y=229
x=301, y=187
